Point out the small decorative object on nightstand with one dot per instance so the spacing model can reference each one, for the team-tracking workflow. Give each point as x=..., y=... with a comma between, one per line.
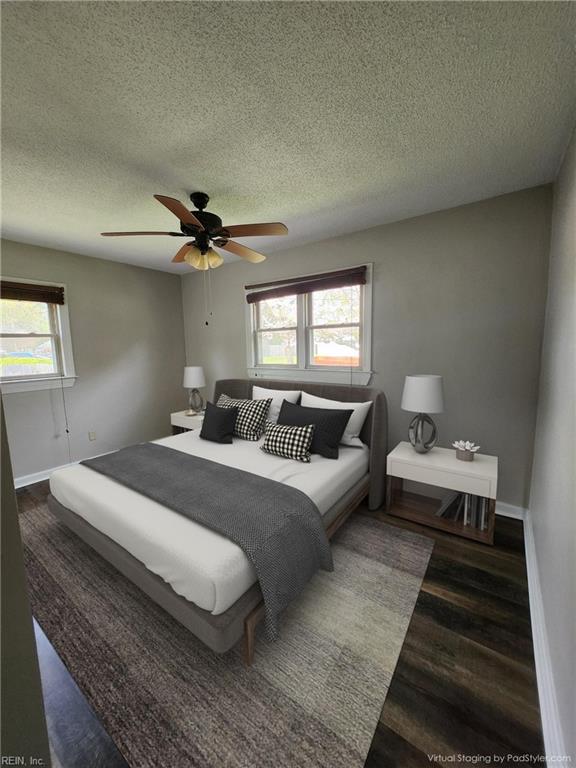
x=193, y=379
x=423, y=394
x=465, y=450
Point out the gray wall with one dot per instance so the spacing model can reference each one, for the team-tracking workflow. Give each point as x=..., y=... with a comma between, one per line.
x=128, y=341
x=553, y=494
x=459, y=293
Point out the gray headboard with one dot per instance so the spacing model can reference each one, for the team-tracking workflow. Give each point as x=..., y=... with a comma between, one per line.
x=374, y=432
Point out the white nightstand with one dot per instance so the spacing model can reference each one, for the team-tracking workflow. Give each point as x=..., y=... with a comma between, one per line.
x=182, y=423
x=440, y=467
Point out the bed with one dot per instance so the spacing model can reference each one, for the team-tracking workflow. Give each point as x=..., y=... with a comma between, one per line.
x=202, y=579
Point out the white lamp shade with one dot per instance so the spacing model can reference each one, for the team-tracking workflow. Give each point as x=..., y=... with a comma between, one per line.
x=193, y=377
x=423, y=394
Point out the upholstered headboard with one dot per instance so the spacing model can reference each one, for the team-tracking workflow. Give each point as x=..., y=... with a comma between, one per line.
x=374, y=432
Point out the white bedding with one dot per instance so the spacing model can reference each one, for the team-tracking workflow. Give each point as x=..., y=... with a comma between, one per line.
x=200, y=565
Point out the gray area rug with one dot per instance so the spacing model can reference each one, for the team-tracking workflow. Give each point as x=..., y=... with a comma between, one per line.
x=313, y=698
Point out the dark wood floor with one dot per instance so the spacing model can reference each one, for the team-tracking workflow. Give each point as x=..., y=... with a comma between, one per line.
x=464, y=684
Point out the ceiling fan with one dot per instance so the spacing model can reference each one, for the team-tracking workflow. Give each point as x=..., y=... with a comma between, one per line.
x=207, y=228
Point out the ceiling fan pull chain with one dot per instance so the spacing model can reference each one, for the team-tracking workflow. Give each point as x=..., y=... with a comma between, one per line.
x=205, y=297
x=210, y=293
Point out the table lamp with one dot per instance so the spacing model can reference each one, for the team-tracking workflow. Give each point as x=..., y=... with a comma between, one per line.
x=423, y=394
x=193, y=379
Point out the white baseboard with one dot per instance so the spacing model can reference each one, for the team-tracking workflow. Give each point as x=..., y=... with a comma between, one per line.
x=38, y=477
x=551, y=729
x=509, y=510
x=554, y=743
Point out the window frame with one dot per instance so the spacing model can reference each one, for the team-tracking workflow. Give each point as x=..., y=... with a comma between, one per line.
x=304, y=369
x=60, y=327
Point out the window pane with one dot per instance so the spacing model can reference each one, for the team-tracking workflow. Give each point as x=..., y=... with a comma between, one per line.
x=27, y=357
x=277, y=348
x=336, y=306
x=335, y=346
x=24, y=316
x=278, y=313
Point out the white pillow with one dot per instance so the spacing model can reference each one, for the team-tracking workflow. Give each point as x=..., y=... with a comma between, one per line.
x=356, y=421
x=278, y=396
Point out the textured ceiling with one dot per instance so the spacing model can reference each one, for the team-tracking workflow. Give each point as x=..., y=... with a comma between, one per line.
x=331, y=117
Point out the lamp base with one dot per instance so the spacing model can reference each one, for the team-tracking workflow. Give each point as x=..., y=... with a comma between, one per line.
x=195, y=403
x=416, y=433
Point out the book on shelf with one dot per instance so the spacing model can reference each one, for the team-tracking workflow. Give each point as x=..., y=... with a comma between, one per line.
x=484, y=515
x=476, y=512
x=447, y=501
x=460, y=510
x=451, y=506
x=470, y=509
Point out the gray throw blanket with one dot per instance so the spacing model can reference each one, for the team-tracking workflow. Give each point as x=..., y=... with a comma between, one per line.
x=278, y=527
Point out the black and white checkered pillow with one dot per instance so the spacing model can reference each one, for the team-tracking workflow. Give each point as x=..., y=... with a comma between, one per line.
x=251, y=416
x=289, y=442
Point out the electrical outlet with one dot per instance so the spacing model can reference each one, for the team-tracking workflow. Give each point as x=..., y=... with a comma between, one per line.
x=91, y=435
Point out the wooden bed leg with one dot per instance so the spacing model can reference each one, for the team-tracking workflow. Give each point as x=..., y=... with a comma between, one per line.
x=249, y=633
x=389, y=492
x=250, y=623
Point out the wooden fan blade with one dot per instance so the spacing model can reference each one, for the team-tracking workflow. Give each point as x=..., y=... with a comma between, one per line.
x=179, y=210
x=181, y=255
x=254, y=230
x=124, y=234
x=242, y=251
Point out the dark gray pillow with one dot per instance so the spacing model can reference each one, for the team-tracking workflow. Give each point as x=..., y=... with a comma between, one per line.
x=218, y=424
x=329, y=426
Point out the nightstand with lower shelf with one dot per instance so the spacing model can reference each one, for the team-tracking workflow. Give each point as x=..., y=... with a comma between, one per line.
x=182, y=423
x=440, y=467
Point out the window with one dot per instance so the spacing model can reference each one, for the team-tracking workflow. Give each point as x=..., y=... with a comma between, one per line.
x=316, y=326
x=30, y=343
x=334, y=327
x=276, y=329
x=35, y=347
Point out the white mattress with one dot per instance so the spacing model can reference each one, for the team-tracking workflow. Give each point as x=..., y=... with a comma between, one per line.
x=202, y=566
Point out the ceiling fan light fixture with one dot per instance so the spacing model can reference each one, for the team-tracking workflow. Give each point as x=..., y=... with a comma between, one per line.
x=194, y=258
x=214, y=258
x=203, y=261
